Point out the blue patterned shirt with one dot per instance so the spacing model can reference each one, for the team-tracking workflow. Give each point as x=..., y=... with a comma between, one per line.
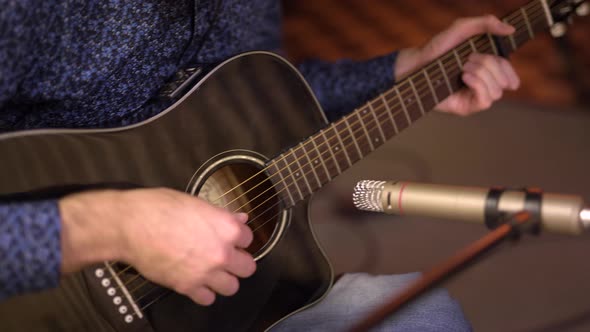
x=83, y=64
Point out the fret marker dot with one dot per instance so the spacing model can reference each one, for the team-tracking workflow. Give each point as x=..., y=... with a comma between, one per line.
x=297, y=174
x=317, y=162
x=376, y=140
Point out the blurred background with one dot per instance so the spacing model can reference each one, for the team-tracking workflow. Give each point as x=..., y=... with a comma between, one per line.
x=536, y=136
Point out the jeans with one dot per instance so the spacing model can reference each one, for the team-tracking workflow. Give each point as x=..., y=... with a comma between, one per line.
x=356, y=295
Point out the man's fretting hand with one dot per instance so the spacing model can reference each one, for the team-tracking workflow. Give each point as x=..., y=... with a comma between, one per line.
x=174, y=239
x=486, y=76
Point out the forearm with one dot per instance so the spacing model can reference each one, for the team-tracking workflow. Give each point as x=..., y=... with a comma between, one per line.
x=408, y=60
x=89, y=234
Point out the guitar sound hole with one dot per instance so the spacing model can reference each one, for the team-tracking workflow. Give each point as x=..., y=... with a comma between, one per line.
x=242, y=187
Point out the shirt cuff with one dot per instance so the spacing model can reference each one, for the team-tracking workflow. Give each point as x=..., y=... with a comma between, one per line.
x=30, y=249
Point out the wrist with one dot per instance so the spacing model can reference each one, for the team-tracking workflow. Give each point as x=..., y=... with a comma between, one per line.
x=89, y=231
x=407, y=61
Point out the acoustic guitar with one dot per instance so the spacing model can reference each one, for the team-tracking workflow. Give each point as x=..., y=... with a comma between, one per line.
x=250, y=136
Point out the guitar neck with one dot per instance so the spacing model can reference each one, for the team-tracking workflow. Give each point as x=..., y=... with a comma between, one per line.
x=306, y=167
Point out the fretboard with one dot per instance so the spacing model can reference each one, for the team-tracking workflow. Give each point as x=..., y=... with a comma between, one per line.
x=306, y=167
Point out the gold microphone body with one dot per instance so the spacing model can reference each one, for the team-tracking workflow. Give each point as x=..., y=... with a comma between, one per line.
x=558, y=213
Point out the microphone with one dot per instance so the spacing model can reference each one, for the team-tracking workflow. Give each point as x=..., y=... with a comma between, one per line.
x=558, y=213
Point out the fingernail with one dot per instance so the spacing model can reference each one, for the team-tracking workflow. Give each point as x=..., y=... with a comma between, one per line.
x=242, y=217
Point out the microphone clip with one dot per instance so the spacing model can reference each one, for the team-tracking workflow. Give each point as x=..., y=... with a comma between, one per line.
x=532, y=206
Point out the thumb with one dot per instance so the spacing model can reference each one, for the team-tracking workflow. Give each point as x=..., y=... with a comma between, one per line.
x=472, y=26
x=461, y=30
x=493, y=25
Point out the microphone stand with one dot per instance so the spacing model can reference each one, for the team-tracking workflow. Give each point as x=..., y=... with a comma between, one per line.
x=511, y=227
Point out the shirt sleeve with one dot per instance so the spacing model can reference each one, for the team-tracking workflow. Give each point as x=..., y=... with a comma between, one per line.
x=346, y=84
x=30, y=250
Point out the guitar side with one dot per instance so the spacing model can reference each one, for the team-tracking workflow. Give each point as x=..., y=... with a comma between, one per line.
x=254, y=102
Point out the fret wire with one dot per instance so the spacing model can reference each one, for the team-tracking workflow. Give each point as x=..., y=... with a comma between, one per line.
x=352, y=137
x=377, y=121
x=398, y=91
x=403, y=104
x=311, y=165
x=297, y=159
x=473, y=47
x=511, y=37
x=358, y=115
x=548, y=15
x=512, y=15
x=292, y=175
x=318, y=162
x=331, y=152
x=259, y=226
x=276, y=203
x=431, y=87
x=460, y=64
x=444, y=72
x=283, y=181
x=321, y=159
x=493, y=43
x=528, y=24
x=417, y=96
x=389, y=113
x=458, y=57
x=342, y=144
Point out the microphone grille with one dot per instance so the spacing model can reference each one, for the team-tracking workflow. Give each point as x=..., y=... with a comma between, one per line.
x=367, y=195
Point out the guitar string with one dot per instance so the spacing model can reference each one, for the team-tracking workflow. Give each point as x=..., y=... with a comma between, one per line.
x=363, y=127
x=165, y=292
x=412, y=77
x=371, y=129
x=513, y=15
x=292, y=183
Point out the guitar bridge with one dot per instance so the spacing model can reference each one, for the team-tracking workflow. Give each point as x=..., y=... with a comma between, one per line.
x=113, y=289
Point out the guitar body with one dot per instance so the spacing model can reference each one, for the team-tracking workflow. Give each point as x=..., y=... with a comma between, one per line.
x=246, y=111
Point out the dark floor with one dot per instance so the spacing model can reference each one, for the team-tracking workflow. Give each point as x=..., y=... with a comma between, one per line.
x=539, y=284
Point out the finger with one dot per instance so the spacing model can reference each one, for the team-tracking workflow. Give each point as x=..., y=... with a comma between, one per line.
x=471, y=26
x=202, y=295
x=492, y=65
x=234, y=230
x=465, y=28
x=480, y=94
x=459, y=103
x=241, y=217
x=223, y=283
x=513, y=79
x=241, y=264
x=244, y=237
x=494, y=91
